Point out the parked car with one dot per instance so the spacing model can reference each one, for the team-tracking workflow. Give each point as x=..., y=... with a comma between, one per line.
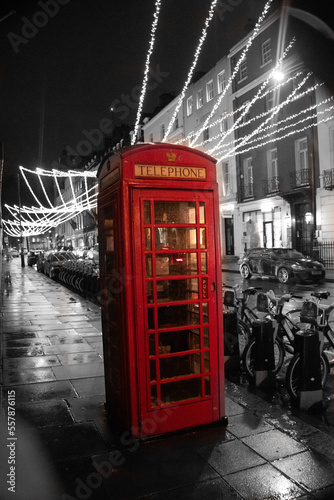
x=281, y=263
x=40, y=261
x=32, y=258
x=54, y=261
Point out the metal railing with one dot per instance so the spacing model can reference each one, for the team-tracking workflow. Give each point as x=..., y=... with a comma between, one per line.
x=328, y=177
x=271, y=185
x=325, y=250
x=300, y=178
x=248, y=190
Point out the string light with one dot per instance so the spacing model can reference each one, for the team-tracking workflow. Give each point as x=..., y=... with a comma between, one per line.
x=258, y=95
x=277, y=129
x=274, y=139
x=274, y=112
x=192, y=68
x=147, y=68
x=235, y=71
x=36, y=220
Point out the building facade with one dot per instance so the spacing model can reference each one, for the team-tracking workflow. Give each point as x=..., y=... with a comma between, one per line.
x=265, y=128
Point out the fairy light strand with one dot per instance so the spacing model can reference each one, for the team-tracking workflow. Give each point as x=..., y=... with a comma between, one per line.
x=192, y=68
x=257, y=96
x=147, y=68
x=235, y=71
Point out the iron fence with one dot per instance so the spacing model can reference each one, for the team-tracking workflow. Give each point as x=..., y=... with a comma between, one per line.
x=325, y=250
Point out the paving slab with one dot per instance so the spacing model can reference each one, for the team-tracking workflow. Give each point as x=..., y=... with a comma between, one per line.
x=78, y=371
x=264, y=482
x=308, y=469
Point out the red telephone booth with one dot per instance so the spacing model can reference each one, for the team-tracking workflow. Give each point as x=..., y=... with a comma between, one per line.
x=161, y=288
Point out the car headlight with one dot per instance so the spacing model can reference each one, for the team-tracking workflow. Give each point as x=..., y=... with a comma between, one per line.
x=297, y=267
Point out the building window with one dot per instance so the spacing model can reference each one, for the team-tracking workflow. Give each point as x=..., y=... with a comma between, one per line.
x=221, y=81
x=223, y=125
x=209, y=91
x=269, y=100
x=176, y=123
x=301, y=154
x=243, y=70
x=266, y=52
x=200, y=98
x=162, y=131
x=227, y=179
x=248, y=177
x=150, y=137
x=272, y=169
x=190, y=105
x=206, y=135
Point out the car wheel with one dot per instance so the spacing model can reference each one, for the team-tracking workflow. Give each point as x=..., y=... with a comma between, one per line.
x=245, y=271
x=283, y=275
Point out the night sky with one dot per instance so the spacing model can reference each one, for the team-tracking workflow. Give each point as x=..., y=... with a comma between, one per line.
x=59, y=79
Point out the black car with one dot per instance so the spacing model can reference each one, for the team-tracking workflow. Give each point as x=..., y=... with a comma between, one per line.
x=281, y=263
x=32, y=258
x=55, y=260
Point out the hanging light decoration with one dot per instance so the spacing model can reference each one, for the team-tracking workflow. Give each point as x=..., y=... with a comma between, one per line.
x=192, y=68
x=147, y=68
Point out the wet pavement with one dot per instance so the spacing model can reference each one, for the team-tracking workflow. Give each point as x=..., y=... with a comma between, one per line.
x=52, y=368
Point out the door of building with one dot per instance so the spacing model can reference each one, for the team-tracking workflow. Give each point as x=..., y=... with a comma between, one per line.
x=268, y=233
x=303, y=230
x=176, y=308
x=229, y=236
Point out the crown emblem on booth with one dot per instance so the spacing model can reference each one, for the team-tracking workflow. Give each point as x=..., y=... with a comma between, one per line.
x=171, y=156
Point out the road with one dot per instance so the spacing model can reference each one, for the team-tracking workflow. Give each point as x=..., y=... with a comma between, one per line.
x=322, y=418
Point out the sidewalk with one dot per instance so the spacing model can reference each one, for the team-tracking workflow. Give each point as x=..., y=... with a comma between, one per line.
x=65, y=449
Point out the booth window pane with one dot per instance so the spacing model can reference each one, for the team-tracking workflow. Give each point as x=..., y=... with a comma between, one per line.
x=182, y=315
x=207, y=386
x=175, y=212
x=181, y=390
x=109, y=217
x=147, y=212
x=203, y=263
x=202, y=213
x=149, y=266
x=149, y=288
x=154, y=398
x=179, y=366
x=150, y=318
x=205, y=312
x=177, y=289
x=110, y=262
x=151, y=344
x=168, y=238
x=176, y=264
x=153, y=370
x=207, y=361
x=206, y=336
x=148, y=238
x=203, y=237
x=183, y=340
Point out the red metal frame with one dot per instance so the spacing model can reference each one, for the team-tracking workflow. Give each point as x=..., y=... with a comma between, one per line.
x=131, y=177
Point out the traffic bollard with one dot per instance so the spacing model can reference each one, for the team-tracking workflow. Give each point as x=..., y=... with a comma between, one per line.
x=309, y=381
x=264, y=357
x=231, y=342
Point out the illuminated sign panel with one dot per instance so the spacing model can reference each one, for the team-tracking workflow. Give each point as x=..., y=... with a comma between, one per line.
x=171, y=172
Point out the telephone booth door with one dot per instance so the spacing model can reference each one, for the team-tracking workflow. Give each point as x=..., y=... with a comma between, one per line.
x=176, y=308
